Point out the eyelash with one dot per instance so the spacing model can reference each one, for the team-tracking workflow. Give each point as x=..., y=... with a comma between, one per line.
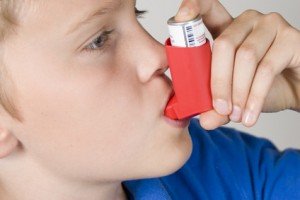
x=105, y=36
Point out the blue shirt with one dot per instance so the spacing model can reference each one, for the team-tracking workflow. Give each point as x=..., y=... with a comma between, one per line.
x=226, y=164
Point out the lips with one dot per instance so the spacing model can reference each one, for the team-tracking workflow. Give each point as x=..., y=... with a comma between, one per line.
x=170, y=96
x=177, y=123
x=166, y=101
x=174, y=122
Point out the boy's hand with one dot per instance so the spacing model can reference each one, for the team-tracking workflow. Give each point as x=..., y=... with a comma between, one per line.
x=255, y=63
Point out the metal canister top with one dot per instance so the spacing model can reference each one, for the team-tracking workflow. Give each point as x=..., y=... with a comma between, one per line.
x=187, y=34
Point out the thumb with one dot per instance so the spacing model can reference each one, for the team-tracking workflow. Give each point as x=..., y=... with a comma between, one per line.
x=213, y=13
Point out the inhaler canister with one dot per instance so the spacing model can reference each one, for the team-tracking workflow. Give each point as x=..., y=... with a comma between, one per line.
x=187, y=34
x=189, y=57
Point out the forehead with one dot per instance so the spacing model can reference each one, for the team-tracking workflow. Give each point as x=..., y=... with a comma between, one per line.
x=65, y=7
x=64, y=12
x=71, y=5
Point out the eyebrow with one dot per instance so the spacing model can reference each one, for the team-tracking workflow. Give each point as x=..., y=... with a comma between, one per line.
x=110, y=6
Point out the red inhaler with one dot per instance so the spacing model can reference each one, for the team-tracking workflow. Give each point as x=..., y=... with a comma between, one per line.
x=190, y=67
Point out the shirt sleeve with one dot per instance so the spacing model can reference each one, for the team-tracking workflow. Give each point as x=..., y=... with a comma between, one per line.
x=230, y=164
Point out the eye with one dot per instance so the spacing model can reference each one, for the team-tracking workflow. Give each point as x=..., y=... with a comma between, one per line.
x=103, y=39
x=140, y=13
x=100, y=42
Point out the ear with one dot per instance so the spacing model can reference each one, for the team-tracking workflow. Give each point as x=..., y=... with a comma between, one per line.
x=8, y=143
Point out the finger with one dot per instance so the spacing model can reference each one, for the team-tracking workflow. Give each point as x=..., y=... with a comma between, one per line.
x=277, y=58
x=214, y=15
x=211, y=120
x=224, y=50
x=250, y=53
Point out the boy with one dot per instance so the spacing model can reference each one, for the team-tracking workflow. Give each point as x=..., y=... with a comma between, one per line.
x=83, y=92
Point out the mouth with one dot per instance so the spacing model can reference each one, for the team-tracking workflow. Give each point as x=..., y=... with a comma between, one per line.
x=167, y=99
x=174, y=122
x=177, y=123
x=171, y=94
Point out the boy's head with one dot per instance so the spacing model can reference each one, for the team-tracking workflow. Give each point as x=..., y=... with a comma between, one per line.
x=87, y=83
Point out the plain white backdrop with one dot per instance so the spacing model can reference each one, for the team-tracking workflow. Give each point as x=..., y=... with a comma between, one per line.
x=283, y=128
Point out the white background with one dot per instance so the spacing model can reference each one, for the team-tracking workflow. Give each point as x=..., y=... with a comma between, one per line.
x=282, y=128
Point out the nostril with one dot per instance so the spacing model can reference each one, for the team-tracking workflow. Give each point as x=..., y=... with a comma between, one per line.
x=165, y=69
x=162, y=70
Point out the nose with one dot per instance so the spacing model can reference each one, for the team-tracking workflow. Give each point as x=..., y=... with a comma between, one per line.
x=148, y=57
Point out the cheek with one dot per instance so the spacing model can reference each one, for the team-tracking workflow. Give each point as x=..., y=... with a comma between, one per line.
x=68, y=118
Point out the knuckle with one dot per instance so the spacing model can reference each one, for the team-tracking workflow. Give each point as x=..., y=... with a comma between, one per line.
x=266, y=69
x=247, y=52
x=276, y=19
x=218, y=84
x=273, y=17
x=255, y=99
x=289, y=32
x=239, y=96
x=250, y=13
x=223, y=42
x=219, y=89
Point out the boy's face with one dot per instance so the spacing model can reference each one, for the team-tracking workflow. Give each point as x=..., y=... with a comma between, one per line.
x=92, y=109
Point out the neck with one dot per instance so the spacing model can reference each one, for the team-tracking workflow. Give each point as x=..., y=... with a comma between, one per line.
x=29, y=181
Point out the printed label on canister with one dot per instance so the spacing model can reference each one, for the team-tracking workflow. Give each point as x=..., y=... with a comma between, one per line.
x=187, y=34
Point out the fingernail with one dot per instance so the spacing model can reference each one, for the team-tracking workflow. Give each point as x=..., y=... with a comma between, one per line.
x=183, y=12
x=221, y=106
x=249, y=118
x=236, y=114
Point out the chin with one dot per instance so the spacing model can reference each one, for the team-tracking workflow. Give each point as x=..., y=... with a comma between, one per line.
x=175, y=159
x=180, y=156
